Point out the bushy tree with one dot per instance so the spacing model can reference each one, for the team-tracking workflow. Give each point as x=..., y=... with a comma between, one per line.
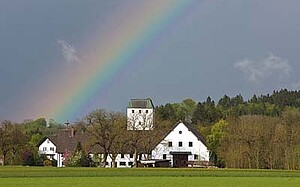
x=79, y=158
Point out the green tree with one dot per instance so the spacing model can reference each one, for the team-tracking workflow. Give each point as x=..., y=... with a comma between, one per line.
x=188, y=107
x=79, y=158
x=199, y=113
x=218, y=131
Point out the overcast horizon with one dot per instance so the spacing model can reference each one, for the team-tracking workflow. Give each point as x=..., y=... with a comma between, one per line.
x=213, y=48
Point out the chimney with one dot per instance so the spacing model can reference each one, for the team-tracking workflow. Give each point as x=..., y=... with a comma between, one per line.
x=72, y=132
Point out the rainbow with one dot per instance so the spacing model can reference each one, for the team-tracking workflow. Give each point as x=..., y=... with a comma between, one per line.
x=109, y=52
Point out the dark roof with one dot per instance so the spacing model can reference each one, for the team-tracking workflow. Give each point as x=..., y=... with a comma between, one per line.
x=190, y=128
x=64, y=141
x=195, y=132
x=141, y=103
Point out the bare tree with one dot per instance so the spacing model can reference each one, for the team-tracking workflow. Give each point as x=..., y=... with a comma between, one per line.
x=105, y=127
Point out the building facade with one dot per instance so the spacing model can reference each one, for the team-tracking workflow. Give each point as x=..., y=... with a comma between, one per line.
x=140, y=114
x=48, y=148
x=183, y=146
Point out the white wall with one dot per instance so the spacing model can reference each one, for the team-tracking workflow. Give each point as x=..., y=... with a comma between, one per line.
x=48, y=148
x=140, y=119
x=185, y=137
x=119, y=160
x=60, y=160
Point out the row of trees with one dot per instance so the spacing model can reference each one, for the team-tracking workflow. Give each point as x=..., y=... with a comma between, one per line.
x=209, y=112
x=18, y=141
x=256, y=141
x=263, y=132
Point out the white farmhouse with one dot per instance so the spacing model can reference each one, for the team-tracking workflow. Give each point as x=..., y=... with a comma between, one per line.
x=140, y=114
x=48, y=148
x=57, y=147
x=183, y=146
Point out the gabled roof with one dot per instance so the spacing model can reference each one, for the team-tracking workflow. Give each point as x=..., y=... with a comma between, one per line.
x=196, y=133
x=64, y=141
x=141, y=103
x=190, y=128
x=51, y=138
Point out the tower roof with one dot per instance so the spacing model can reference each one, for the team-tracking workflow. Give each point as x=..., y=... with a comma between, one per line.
x=141, y=103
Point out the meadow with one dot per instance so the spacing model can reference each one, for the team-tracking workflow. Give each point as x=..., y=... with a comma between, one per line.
x=50, y=176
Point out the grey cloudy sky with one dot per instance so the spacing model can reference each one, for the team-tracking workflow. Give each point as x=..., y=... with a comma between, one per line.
x=223, y=47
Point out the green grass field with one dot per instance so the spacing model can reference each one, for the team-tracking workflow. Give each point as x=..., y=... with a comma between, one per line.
x=47, y=176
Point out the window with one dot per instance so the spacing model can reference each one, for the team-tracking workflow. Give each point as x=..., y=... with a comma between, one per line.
x=140, y=111
x=140, y=123
x=122, y=163
x=122, y=155
x=106, y=163
x=51, y=148
x=146, y=111
x=164, y=156
x=131, y=155
x=180, y=132
x=170, y=144
x=44, y=148
x=130, y=163
x=48, y=141
x=132, y=111
x=190, y=144
x=180, y=144
x=195, y=157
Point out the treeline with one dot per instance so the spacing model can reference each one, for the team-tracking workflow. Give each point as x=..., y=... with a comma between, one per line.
x=209, y=111
x=18, y=141
x=262, y=132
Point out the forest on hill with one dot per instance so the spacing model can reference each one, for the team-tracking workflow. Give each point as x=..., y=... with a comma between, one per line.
x=262, y=132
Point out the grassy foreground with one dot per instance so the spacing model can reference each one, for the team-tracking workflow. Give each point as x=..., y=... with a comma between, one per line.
x=43, y=176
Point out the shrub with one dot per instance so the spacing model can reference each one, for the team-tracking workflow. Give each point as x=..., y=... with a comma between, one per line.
x=47, y=162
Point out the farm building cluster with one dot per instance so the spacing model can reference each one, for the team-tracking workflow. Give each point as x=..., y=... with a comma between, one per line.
x=181, y=146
